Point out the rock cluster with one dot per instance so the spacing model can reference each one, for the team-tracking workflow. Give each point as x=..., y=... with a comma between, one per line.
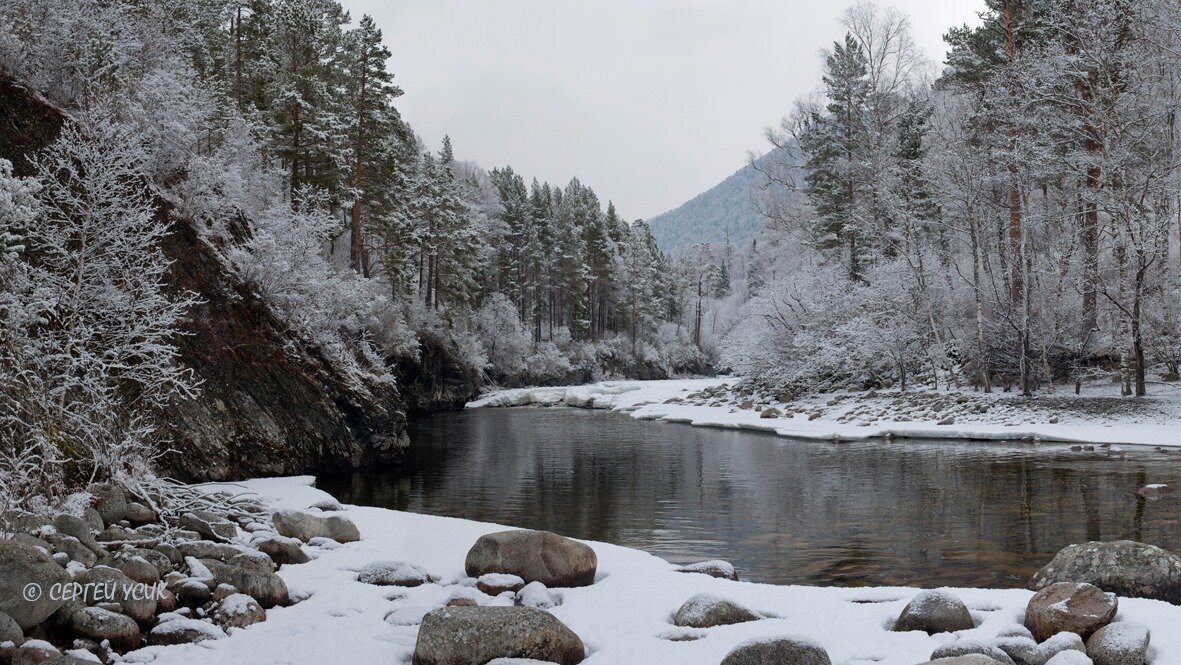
x=143, y=579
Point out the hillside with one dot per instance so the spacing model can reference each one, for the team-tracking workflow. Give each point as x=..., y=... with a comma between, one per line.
x=722, y=212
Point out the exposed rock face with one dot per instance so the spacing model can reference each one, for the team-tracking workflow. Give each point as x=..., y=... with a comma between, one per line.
x=1123, y=643
x=466, y=635
x=1123, y=567
x=269, y=403
x=22, y=565
x=305, y=526
x=778, y=651
x=534, y=556
x=1066, y=606
x=935, y=612
x=706, y=611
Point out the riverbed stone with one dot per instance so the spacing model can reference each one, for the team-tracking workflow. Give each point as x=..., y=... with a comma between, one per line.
x=778, y=651
x=714, y=568
x=393, y=573
x=22, y=565
x=135, y=599
x=1123, y=643
x=305, y=526
x=534, y=556
x=238, y=611
x=10, y=630
x=267, y=588
x=1024, y=650
x=110, y=501
x=99, y=624
x=1123, y=567
x=139, y=514
x=1068, y=606
x=206, y=549
x=965, y=647
x=78, y=528
x=211, y=526
x=72, y=548
x=282, y=550
x=495, y=584
x=183, y=631
x=1070, y=658
x=466, y=635
x=707, y=610
x=934, y=611
x=970, y=659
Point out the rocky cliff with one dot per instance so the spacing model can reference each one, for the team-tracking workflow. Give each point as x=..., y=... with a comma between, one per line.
x=269, y=404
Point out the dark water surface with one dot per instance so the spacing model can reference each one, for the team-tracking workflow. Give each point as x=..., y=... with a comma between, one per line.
x=782, y=510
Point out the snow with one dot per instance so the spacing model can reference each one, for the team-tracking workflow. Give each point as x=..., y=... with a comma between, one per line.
x=1155, y=420
x=624, y=618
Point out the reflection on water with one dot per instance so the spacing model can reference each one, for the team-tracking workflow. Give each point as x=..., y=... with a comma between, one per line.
x=783, y=511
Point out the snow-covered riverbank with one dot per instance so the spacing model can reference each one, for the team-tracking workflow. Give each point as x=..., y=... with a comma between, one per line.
x=1098, y=416
x=624, y=617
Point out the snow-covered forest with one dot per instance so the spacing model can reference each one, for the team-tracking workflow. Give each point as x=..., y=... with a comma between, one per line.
x=273, y=125
x=1008, y=220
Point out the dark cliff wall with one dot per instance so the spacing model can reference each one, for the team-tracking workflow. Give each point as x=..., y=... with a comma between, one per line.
x=269, y=405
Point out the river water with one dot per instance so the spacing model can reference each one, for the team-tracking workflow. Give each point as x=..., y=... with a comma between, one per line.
x=927, y=513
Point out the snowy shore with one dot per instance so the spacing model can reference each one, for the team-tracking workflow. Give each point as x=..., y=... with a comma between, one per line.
x=1098, y=416
x=624, y=617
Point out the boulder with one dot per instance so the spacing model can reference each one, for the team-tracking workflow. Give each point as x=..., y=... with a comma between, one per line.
x=705, y=611
x=193, y=593
x=964, y=647
x=1067, y=606
x=495, y=584
x=183, y=631
x=38, y=652
x=1025, y=651
x=205, y=549
x=210, y=526
x=253, y=560
x=238, y=611
x=138, y=569
x=1123, y=643
x=99, y=624
x=466, y=635
x=534, y=594
x=267, y=588
x=78, y=528
x=224, y=591
x=770, y=412
x=969, y=659
x=160, y=564
x=1123, y=567
x=534, y=556
x=139, y=514
x=137, y=600
x=23, y=565
x=282, y=550
x=110, y=501
x=171, y=553
x=934, y=612
x=715, y=568
x=778, y=651
x=93, y=519
x=72, y=548
x=10, y=630
x=305, y=526
x=330, y=505
x=393, y=573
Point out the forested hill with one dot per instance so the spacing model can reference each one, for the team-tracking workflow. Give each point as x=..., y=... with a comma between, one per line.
x=722, y=212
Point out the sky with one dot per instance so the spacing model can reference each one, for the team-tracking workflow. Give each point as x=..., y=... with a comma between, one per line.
x=649, y=102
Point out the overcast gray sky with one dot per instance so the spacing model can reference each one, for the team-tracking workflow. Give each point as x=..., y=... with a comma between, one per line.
x=650, y=102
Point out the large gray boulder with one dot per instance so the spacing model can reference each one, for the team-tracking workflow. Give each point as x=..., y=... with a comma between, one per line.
x=1123, y=643
x=474, y=635
x=534, y=556
x=393, y=573
x=211, y=526
x=238, y=611
x=1123, y=567
x=27, y=578
x=136, y=599
x=78, y=528
x=10, y=630
x=282, y=550
x=1067, y=606
x=706, y=611
x=183, y=631
x=934, y=612
x=778, y=651
x=305, y=526
x=110, y=501
x=267, y=588
x=99, y=624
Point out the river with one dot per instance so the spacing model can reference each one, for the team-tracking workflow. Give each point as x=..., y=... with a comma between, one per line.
x=929, y=513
